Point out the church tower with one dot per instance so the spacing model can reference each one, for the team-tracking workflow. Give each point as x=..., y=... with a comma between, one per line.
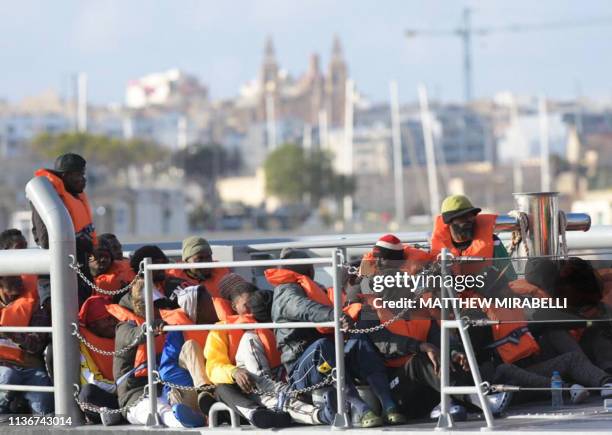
x=336, y=84
x=268, y=84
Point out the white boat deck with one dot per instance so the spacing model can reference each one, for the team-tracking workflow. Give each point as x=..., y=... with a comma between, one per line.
x=521, y=419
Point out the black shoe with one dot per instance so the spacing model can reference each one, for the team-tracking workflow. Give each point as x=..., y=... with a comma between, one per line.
x=205, y=401
x=263, y=418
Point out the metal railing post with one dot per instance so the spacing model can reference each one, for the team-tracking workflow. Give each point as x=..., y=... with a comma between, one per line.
x=445, y=421
x=341, y=421
x=64, y=295
x=153, y=418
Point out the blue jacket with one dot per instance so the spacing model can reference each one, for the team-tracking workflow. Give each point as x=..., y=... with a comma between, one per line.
x=169, y=369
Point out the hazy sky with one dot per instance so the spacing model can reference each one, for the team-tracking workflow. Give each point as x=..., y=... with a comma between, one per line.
x=43, y=42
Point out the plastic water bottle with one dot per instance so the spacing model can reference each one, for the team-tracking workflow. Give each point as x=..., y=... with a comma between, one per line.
x=556, y=383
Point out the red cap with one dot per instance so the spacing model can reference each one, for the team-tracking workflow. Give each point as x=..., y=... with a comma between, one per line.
x=94, y=308
x=389, y=241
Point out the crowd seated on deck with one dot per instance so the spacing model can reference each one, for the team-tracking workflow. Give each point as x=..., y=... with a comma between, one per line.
x=392, y=356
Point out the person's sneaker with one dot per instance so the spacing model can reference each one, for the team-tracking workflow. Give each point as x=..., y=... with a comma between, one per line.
x=458, y=412
x=499, y=402
x=607, y=390
x=393, y=416
x=328, y=408
x=369, y=419
x=187, y=416
x=110, y=419
x=263, y=418
x=205, y=401
x=578, y=394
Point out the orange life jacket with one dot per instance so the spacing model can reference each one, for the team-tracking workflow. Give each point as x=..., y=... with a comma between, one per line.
x=414, y=260
x=78, y=207
x=115, y=278
x=266, y=336
x=523, y=287
x=18, y=313
x=315, y=293
x=482, y=245
x=103, y=362
x=223, y=307
x=172, y=317
x=417, y=328
x=512, y=341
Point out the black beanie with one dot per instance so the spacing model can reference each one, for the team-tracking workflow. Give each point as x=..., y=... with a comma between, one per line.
x=260, y=304
x=152, y=251
x=69, y=162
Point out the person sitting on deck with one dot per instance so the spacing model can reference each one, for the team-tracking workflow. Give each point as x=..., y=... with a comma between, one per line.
x=12, y=239
x=130, y=367
x=198, y=250
x=115, y=246
x=108, y=273
x=466, y=232
x=97, y=326
x=164, y=283
x=182, y=360
x=21, y=354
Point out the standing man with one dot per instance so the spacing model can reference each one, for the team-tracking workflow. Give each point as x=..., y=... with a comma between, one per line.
x=69, y=181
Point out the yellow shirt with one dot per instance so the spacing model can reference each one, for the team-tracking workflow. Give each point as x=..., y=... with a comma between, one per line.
x=219, y=367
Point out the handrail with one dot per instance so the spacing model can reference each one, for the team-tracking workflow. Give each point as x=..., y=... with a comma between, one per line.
x=246, y=263
x=237, y=326
x=28, y=388
x=27, y=329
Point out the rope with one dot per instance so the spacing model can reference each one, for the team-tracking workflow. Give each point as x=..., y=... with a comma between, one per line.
x=499, y=388
x=488, y=322
x=562, y=231
x=520, y=235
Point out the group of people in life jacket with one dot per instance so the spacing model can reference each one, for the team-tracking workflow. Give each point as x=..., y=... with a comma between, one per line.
x=261, y=373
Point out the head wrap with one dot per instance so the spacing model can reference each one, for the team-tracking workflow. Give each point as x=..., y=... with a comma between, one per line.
x=232, y=284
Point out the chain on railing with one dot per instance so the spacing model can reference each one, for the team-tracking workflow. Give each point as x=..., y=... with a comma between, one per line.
x=74, y=265
x=103, y=410
x=121, y=351
x=158, y=380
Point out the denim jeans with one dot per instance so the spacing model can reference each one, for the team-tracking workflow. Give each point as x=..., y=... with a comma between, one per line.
x=40, y=403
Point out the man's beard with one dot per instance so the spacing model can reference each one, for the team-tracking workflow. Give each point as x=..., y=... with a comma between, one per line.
x=201, y=274
x=464, y=230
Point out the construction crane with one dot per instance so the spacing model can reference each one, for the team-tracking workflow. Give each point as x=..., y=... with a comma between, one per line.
x=465, y=32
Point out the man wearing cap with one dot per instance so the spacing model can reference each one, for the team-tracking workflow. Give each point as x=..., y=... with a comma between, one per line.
x=69, y=181
x=466, y=232
x=198, y=250
x=390, y=252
